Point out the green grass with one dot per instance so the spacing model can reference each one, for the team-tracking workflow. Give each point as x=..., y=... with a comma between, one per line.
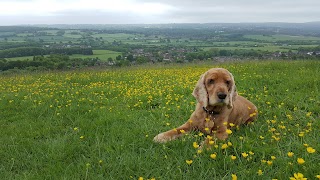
x=100, y=124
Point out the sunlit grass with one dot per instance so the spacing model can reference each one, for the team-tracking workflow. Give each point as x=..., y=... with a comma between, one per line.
x=100, y=124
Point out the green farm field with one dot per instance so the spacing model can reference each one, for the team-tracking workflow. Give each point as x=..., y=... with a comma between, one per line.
x=116, y=37
x=101, y=54
x=90, y=124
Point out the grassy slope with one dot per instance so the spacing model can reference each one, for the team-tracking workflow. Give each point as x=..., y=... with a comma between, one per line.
x=100, y=125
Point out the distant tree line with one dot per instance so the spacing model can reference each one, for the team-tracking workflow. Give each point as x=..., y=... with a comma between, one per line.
x=21, y=29
x=51, y=62
x=309, y=49
x=34, y=51
x=6, y=45
x=201, y=55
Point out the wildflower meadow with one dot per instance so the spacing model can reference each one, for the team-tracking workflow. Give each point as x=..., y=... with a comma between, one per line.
x=100, y=124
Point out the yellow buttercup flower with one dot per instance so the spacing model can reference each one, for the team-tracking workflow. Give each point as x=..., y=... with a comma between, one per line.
x=259, y=172
x=310, y=150
x=195, y=145
x=300, y=161
x=244, y=154
x=213, y=156
x=298, y=176
x=253, y=114
x=234, y=176
x=189, y=162
x=224, y=146
x=290, y=154
x=229, y=131
x=233, y=157
x=301, y=134
x=308, y=114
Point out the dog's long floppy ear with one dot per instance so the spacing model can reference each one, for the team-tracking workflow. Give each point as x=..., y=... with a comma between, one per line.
x=200, y=92
x=233, y=93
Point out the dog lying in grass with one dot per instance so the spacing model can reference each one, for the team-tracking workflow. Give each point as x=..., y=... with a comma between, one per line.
x=218, y=107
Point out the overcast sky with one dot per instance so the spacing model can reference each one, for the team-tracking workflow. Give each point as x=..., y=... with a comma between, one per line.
x=13, y=12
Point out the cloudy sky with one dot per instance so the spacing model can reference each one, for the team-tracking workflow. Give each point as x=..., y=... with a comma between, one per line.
x=13, y=12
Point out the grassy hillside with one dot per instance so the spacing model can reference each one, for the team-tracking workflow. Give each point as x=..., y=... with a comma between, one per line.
x=100, y=124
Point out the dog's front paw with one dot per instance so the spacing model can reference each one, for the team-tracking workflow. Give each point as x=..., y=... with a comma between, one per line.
x=161, y=138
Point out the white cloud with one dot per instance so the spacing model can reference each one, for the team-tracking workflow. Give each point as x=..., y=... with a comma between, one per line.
x=55, y=7
x=156, y=11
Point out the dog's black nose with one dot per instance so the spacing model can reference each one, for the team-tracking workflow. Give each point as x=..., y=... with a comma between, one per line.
x=221, y=95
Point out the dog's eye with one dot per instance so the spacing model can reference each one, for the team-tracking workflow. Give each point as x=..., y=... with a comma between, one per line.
x=211, y=81
x=228, y=82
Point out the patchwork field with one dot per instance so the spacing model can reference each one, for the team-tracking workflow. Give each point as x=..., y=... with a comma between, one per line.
x=100, y=124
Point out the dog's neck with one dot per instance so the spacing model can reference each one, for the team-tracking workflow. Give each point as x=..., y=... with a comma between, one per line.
x=213, y=110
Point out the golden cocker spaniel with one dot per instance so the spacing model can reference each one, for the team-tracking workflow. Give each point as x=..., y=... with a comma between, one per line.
x=218, y=106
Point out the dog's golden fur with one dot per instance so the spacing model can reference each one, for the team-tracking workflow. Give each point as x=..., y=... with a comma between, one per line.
x=218, y=106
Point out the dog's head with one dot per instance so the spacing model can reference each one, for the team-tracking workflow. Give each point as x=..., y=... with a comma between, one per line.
x=216, y=87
